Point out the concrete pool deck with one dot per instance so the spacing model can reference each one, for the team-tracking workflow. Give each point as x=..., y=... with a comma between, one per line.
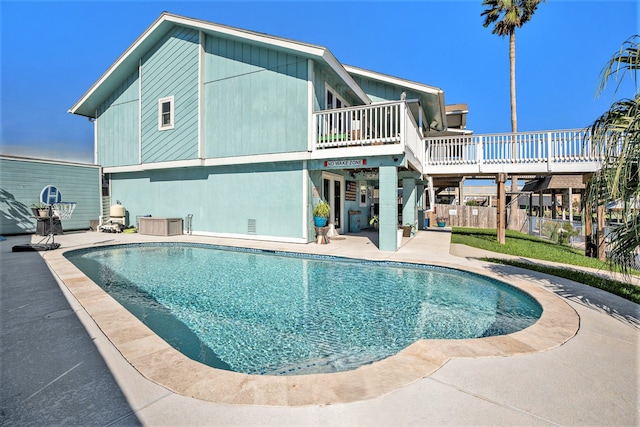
x=579, y=367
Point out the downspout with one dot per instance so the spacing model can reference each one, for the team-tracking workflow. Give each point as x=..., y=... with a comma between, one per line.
x=305, y=201
x=310, y=103
x=201, y=53
x=310, y=145
x=95, y=138
x=140, y=111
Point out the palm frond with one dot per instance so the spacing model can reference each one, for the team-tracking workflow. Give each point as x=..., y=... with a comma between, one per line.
x=616, y=140
x=627, y=59
x=507, y=15
x=625, y=241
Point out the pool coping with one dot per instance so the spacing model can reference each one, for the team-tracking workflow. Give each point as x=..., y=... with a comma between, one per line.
x=160, y=363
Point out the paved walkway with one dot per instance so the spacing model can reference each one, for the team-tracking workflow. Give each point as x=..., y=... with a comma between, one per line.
x=590, y=380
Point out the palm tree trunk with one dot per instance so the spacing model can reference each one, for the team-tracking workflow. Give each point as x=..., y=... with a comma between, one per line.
x=514, y=221
x=512, y=80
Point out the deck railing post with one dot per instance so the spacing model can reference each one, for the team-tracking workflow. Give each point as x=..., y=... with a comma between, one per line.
x=549, y=149
x=403, y=124
x=316, y=131
x=480, y=153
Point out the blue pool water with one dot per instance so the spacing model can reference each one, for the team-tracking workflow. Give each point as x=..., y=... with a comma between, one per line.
x=282, y=313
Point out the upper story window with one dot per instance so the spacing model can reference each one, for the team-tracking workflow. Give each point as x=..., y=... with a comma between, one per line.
x=333, y=100
x=165, y=113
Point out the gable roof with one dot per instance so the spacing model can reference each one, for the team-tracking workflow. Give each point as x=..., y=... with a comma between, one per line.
x=424, y=91
x=554, y=182
x=129, y=60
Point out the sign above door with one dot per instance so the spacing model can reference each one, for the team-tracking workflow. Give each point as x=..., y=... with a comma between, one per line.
x=339, y=164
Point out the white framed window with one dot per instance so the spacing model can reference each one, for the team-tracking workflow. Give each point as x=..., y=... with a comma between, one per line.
x=165, y=113
x=332, y=99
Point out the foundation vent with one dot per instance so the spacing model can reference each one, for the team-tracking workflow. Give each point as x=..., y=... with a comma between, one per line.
x=251, y=226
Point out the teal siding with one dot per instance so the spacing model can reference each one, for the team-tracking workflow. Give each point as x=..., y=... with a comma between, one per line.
x=22, y=180
x=221, y=199
x=380, y=91
x=255, y=100
x=118, y=125
x=171, y=69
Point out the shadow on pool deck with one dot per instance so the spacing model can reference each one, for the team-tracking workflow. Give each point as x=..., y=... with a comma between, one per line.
x=51, y=371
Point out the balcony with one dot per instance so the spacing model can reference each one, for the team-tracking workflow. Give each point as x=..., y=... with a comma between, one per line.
x=390, y=128
x=376, y=129
x=560, y=151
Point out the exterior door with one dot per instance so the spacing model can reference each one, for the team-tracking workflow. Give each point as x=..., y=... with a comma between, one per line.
x=335, y=122
x=332, y=189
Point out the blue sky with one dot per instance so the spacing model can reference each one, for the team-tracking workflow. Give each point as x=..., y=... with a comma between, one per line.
x=52, y=52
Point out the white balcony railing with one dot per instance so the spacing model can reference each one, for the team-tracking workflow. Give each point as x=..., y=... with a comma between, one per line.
x=551, y=151
x=391, y=123
x=377, y=124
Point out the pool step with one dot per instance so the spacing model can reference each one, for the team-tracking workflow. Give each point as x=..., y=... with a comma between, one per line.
x=323, y=364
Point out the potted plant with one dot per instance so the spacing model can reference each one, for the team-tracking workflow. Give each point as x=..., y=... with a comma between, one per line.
x=40, y=209
x=406, y=230
x=442, y=222
x=374, y=221
x=321, y=213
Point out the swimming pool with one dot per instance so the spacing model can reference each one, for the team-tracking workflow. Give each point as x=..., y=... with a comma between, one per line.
x=265, y=312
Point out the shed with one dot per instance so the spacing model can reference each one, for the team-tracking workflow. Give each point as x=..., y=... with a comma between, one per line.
x=566, y=185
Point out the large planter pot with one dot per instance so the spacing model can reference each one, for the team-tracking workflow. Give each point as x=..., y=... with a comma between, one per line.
x=442, y=223
x=406, y=231
x=319, y=221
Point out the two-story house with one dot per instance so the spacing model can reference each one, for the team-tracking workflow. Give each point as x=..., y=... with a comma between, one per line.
x=247, y=131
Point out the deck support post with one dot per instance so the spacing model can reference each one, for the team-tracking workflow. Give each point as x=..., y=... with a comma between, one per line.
x=420, y=196
x=540, y=204
x=501, y=179
x=461, y=193
x=388, y=208
x=409, y=198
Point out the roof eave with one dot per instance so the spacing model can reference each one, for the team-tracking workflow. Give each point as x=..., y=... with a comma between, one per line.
x=345, y=76
x=393, y=80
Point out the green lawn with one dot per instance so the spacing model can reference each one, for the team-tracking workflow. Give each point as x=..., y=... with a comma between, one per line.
x=521, y=244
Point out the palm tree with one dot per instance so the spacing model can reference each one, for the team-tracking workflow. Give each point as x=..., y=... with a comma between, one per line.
x=507, y=16
x=616, y=137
